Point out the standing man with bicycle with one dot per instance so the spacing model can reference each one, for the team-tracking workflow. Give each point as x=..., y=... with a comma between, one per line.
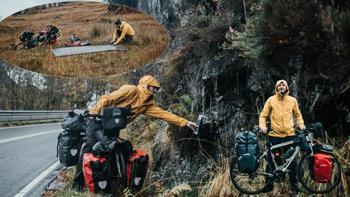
x=282, y=109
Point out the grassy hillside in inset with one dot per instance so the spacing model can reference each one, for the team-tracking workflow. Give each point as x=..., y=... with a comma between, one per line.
x=90, y=21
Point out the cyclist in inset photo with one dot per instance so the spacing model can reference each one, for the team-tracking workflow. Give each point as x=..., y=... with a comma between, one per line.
x=282, y=108
x=123, y=34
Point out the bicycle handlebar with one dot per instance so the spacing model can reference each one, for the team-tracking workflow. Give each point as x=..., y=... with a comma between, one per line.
x=85, y=115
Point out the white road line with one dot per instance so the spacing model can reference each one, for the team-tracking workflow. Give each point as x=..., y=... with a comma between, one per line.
x=27, y=136
x=33, y=125
x=37, y=179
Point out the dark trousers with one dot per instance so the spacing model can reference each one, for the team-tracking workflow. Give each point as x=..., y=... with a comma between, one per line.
x=293, y=166
x=127, y=39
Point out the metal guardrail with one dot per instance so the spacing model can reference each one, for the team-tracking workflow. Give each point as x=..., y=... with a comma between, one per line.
x=10, y=116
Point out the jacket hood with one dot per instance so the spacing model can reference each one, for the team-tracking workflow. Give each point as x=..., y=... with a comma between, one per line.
x=145, y=81
x=285, y=83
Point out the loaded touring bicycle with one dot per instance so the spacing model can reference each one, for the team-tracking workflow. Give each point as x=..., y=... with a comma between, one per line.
x=252, y=171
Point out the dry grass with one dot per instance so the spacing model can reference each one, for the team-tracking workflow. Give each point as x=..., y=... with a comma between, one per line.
x=220, y=182
x=92, y=22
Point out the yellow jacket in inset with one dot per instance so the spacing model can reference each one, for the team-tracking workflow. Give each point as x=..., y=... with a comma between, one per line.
x=141, y=101
x=126, y=29
x=281, y=110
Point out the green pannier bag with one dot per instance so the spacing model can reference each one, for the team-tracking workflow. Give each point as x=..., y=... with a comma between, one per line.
x=247, y=148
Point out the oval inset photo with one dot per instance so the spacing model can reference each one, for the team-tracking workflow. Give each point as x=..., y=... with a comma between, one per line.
x=81, y=39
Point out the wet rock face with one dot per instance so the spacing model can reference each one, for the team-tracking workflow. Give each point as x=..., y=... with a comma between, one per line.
x=168, y=12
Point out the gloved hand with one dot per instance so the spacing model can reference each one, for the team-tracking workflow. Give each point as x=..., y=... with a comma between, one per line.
x=192, y=125
x=263, y=130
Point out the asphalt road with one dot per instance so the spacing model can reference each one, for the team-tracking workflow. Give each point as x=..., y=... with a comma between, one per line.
x=25, y=152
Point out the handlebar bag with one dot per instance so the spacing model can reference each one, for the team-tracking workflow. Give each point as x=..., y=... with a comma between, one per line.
x=115, y=117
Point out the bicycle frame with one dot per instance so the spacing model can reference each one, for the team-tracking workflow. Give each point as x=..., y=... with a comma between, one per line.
x=283, y=168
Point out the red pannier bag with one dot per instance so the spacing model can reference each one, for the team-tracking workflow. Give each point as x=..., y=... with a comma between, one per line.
x=136, y=170
x=323, y=167
x=96, y=173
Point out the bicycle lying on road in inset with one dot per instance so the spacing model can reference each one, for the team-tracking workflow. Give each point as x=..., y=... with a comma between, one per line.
x=319, y=170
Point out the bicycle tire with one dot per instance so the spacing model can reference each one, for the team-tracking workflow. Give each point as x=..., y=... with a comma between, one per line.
x=240, y=183
x=308, y=182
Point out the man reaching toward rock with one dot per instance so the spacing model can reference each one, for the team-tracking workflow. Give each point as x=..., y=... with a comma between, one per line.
x=141, y=100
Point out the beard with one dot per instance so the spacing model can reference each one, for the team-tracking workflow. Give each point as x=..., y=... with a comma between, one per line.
x=283, y=92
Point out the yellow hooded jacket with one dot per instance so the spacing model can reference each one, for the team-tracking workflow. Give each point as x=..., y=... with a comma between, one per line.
x=281, y=109
x=141, y=101
x=126, y=30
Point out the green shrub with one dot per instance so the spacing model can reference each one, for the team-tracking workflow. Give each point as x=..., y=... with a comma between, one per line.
x=247, y=42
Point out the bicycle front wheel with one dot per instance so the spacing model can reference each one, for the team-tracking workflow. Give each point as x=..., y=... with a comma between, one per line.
x=306, y=175
x=251, y=183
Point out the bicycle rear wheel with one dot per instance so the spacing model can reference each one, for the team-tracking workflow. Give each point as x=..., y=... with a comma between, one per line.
x=305, y=175
x=251, y=183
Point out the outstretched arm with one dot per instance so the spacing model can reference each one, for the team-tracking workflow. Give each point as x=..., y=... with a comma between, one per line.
x=121, y=37
x=115, y=36
x=157, y=112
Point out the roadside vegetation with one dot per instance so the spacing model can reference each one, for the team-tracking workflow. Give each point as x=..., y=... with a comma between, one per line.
x=90, y=21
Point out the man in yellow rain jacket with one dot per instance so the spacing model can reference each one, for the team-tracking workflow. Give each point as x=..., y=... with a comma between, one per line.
x=281, y=108
x=141, y=101
x=123, y=33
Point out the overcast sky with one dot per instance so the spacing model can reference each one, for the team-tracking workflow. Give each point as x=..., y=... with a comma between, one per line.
x=8, y=7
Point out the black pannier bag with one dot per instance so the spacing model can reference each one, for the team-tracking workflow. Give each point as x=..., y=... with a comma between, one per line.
x=322, y=148
x=52, y=29
x=27, y=39
x=96, y=172
x=107, y=164
x=316, y=129
x=115, y=117
x=70, y=140
x=73, y=122
x=137, y=166
x=246, y=144
x=25, y=36
x=68, y=148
